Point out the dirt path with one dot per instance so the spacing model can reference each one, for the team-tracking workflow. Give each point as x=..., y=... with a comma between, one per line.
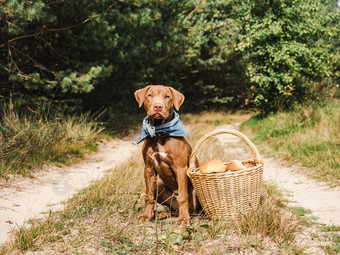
x=323, y=201
x=25, y=198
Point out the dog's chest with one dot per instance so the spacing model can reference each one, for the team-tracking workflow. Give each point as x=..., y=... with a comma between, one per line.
x=157, y=153
x=161, y=163
x=160, y=160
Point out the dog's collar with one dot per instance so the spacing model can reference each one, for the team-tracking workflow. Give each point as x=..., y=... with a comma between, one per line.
x=171, y=128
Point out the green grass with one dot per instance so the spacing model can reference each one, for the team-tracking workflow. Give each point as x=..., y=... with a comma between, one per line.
x=30, y=141
x=309, y=137
x=332, y=233
x=103, y=219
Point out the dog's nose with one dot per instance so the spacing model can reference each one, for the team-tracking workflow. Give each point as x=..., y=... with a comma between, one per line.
x=158, y=107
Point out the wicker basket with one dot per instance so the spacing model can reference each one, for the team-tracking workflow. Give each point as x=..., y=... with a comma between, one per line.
x=227, y=194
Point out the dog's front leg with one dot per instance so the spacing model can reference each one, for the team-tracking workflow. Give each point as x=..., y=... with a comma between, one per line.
x=183, y=197
x=150, y=182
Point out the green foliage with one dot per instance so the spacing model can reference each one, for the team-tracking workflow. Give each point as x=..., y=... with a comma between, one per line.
x=95, y=54
x=283, y=41
x=263, y=53
x=216, y=76
x=149, y=48
x=41, y=58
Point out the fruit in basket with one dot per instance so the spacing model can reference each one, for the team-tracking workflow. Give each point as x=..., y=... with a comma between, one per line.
x=213, y=166
x=234, y=165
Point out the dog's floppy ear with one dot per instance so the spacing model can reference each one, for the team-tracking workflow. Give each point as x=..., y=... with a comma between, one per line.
x=178, y=98
x=140, y=95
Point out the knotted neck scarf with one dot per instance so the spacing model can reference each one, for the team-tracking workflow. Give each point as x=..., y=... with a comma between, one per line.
x=172, y=128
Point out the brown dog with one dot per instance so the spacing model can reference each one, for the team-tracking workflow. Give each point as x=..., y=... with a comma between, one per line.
x=165, y=154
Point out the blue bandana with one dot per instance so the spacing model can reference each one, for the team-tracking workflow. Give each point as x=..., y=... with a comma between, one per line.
x=172, y=128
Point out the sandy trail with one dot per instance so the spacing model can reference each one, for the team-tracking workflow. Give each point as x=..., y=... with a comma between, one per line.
x=302, y=191
x=26, y=198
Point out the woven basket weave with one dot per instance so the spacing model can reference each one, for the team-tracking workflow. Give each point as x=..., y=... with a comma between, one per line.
x=227, y=194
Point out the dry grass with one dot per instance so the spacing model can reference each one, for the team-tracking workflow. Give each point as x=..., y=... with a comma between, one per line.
x=103, y=219
x=29, y=141
x=309, y=136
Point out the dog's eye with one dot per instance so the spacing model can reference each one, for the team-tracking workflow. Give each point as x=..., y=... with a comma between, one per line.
x=167, y=96
x=150, y=95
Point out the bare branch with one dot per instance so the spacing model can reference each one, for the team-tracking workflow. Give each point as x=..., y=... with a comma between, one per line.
x=67, y=28
x=19, y=37
x=15, y=64
x=197, y=8
x=43, y=31
x=35, y=63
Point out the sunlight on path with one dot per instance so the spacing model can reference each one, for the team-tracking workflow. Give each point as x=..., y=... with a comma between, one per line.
x=305, y=192
x=28, y=198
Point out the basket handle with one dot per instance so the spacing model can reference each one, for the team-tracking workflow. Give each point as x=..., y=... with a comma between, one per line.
x=256, y=155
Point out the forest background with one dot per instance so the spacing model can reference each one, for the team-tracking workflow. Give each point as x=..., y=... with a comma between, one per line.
x=67, y=57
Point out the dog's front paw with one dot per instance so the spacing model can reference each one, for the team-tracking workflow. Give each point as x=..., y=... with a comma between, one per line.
x=147, y=215
x=145, y=218
x=183, y=220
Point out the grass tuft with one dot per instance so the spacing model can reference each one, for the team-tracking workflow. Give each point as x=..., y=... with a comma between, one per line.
x=29, y=141
x=309, y=136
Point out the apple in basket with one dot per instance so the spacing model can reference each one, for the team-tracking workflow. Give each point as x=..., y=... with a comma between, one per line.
x=217, y=166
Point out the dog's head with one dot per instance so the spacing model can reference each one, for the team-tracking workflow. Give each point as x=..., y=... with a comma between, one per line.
x=159, y=102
